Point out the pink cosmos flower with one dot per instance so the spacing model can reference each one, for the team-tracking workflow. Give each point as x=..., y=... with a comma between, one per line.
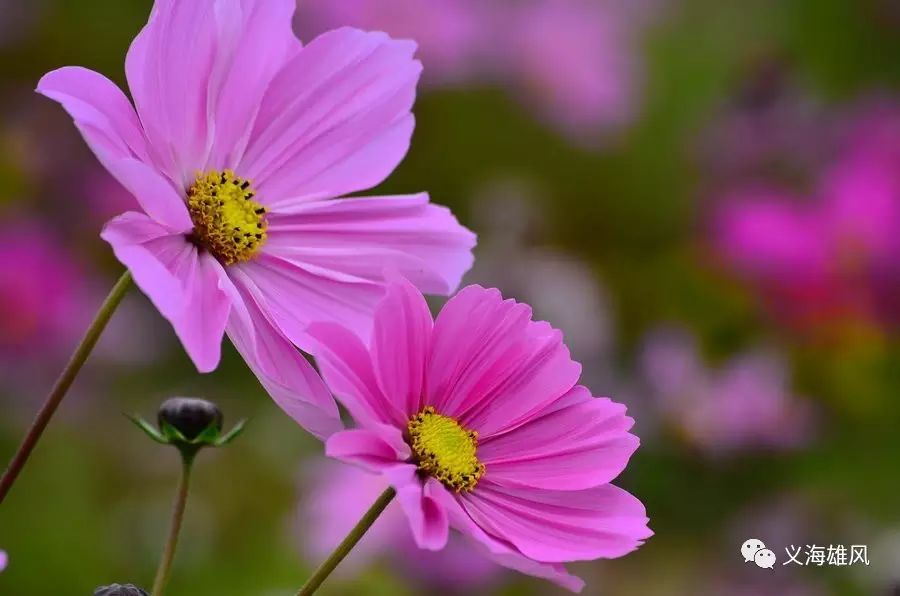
x=237, y=146
x=341, y=494
x=833, y=256
x=478, y=423
x=744, y=405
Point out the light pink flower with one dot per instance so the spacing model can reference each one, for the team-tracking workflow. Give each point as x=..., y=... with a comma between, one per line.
x=4, y=560
x=340, y=494
x=832, y=255
x=237, y=146
x=744, y=405
x=477, y=421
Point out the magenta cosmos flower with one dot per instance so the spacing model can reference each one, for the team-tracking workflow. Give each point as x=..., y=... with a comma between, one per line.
x=831, y=256
x=476, y=420
x=237, y=145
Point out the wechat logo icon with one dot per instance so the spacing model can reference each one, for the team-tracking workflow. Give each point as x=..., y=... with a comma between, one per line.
x=755, y=551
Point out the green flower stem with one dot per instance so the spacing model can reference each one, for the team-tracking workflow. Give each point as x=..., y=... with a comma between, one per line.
x=63, y=383
x=344, y=548
x=165, y=563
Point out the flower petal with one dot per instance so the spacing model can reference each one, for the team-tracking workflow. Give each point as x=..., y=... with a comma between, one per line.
x=295, y=296
x=155, y=194
x=128, y=235
x=502, y=552
x=346, y=366
x=335, y=120
x=427, y=517
x=169, y=66
x=377, y=448
x=256, y=40
x=201, y=324
x=101, y=111
x=491, y=366
x=110, y=127
x=363, y=237
x=558, y=526
x=573, y=448
x=285, y=374
x=553, y=572
x=182, y=284
x=400, y=345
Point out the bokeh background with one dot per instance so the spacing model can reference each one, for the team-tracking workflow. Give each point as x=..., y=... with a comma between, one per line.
x=703, y=194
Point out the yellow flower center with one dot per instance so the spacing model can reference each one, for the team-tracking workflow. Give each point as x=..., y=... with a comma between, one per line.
x=442, y=448
x=227, y=221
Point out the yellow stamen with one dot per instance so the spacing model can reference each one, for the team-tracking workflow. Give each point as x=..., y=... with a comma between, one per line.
x=445, y=450
x=227, y=221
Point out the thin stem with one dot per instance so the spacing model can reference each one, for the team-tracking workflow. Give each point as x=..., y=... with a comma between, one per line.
x=63, y=383
x=344, y=548
x=165, y=564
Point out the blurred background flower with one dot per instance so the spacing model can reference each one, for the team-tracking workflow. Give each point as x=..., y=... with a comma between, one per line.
x=745, y=404
x=831, y=256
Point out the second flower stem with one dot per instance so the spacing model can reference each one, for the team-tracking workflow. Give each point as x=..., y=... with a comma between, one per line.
x=165, y=563
x=63, y=383
x=344, y=548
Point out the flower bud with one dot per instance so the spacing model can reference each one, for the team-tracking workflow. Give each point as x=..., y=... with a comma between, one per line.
x=189, y=416
x=119, y=590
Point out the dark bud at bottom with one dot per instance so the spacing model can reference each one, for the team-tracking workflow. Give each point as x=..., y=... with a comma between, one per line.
x=190, y=416
x=119, y=590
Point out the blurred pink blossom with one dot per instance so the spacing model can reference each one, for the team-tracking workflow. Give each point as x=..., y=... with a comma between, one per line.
x=832, y=255
x=4, y=560
x=746, y=404
x=41, y=292
x=447, y=31
x=340, y=494
x=48, y=297
x=577, y=62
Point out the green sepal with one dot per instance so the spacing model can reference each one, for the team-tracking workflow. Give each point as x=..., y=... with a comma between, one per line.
x=172, y=434
x=232, y=434
x=208, y=436
x=150, y=430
